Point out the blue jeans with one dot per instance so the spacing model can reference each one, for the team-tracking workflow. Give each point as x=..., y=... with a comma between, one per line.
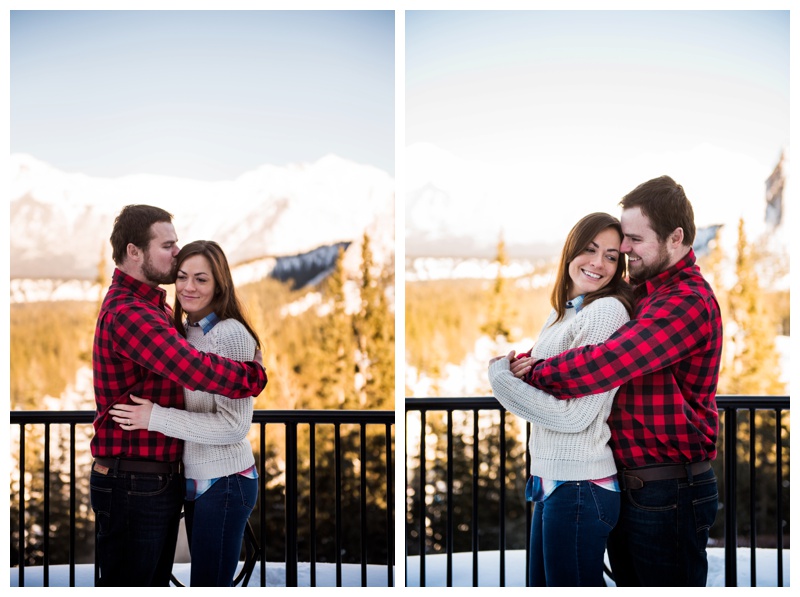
x=137, y=516
x=215, y=524
x=568, y=535
x=662, y=534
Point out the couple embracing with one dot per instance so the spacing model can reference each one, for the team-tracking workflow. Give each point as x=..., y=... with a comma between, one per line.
x=620, y=390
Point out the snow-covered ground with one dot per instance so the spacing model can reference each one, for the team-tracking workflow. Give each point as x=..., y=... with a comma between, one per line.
x=276, y=575
x=489, y=569
x=436, y=572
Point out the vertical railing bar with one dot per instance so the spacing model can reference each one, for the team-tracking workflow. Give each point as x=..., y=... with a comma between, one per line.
x=72, y=504
x=449, y=530
x=312, y=430
x=406, y=517
x=262, y=481
x=528, y=506
x=752, y=467
x=363, y=504
x=338, y=475
x=21, y=573
x=475, y=459
x=46, y=562
x=389, y=507
x=291, y=504
x=423, y=472
x=729, y=463
x=502, y=538
x=779, y=462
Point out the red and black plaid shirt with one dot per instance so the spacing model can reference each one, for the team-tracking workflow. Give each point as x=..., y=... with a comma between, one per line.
x=138, y=351
x=666, y=360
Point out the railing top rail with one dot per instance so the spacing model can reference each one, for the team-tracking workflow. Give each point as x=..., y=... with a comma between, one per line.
x=370, y=417
x=491, y=403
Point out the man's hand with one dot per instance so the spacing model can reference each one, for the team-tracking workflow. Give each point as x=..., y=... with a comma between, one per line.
x=520, y=367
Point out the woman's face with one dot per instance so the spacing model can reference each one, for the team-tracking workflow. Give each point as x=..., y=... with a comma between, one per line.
x=195, y=286
x=595, y=265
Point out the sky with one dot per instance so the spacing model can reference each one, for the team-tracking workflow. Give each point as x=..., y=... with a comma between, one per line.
x=543, y=109
x=206, y=95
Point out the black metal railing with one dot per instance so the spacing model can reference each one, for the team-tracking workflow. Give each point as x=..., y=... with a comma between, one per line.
x=729, y=407
x=291, y=421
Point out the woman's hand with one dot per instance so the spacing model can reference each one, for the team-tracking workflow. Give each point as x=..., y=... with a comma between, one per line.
x=509, y=356
x=131, y=417
x=521, y=366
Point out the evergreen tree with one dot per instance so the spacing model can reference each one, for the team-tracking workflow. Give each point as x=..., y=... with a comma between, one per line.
x=754, y=366
x=375, y=326
x=337, y=366
x=498, y=315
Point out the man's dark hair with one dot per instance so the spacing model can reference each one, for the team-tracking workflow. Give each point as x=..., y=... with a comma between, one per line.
x=132, y=225
x=665, y=204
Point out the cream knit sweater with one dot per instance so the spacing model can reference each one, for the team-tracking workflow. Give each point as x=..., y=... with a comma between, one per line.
x=569, y=438
x=214, y=427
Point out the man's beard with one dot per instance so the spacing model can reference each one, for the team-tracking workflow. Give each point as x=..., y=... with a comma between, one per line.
x=155, y=276
x=645, y=272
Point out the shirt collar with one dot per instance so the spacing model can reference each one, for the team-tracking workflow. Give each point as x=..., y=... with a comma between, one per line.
x=152, y=294
x=649, y=286
x=208, y=322
x=577, y=303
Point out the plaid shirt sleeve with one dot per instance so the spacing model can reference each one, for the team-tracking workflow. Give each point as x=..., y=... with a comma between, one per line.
x=662, y=335
x=155, y=345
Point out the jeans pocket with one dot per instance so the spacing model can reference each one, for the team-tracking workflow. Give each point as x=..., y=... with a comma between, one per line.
x=101, y=500
x=705, y=509
x=248, y=488
x=148, y=485
x=655, y=496
x=607, y=504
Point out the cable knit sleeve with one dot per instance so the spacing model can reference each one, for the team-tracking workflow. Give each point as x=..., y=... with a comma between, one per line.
x=597, y=322
x=229, y=420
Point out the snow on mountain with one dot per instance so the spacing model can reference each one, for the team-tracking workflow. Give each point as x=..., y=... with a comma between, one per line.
x=461, y=208
x=60, y=222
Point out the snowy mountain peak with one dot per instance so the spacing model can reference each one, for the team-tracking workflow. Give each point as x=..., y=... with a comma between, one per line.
x=60, y=222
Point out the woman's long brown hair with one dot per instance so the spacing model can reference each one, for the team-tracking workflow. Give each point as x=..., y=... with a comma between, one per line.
x=583, y=233
x=224, y=304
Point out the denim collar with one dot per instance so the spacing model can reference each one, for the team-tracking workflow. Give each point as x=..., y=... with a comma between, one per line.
x=208, y=322
x=577, y=303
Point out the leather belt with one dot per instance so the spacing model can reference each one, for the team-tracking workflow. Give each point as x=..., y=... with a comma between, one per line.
x=635, y=478
x=105, y=465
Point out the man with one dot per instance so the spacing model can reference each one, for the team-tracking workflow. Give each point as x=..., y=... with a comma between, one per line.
x=136, y=484
x=664, y=423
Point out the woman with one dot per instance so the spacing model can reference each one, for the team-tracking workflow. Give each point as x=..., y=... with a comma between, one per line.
x=221, y=478
x=573, y=475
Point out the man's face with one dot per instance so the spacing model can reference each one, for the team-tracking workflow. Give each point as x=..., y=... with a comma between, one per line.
x=160, y=255
x=647, y=256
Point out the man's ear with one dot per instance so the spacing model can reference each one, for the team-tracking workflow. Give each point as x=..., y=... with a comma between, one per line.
x=133, y=252
x=676, y=237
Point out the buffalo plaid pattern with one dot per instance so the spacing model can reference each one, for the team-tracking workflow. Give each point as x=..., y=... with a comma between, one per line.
x=666, y=360
x=138, y=351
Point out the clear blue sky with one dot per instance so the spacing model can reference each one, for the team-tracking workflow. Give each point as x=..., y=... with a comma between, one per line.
x=201, y=94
